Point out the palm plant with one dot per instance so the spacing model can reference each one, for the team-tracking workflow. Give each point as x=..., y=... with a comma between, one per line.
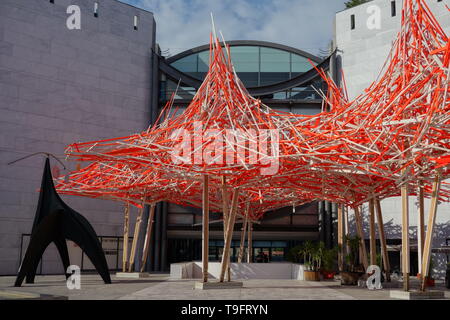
x=307, y=250
x=329, y=258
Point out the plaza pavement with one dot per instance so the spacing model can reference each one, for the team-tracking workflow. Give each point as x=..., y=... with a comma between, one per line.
x=159, y=287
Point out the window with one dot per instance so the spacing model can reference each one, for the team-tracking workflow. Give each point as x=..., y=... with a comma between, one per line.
x=245, y=58
x=246, y=62
x=136, y=22
x=255, y=65
x=203, y=61
x=187, y=64
x=96, y=9
x=352, y=21
x=300, y=65
x=274, y=60
x=393, y=9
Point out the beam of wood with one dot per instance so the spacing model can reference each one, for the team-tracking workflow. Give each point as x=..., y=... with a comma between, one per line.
x=430, y=228
x=384, y=253
x=341, y=237
x=137, y=231
x=230, y=227
x=373, y=240
x=205, y=227
x=250, y=243
x=346, y=228
x=420, y=228
x=148, y=236
x=362, y=243
x=244, y=228
x=405, y=237
x=225, y=199
x=126, y=229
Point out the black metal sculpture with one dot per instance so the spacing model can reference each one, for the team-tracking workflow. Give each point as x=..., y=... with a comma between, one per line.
x=55, y=222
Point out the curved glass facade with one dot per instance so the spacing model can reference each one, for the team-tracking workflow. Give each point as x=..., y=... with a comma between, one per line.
x=255, y=65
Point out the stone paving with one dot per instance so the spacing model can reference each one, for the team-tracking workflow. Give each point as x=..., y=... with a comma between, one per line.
x=92, y=287
x=160, y=287
x=252, y=290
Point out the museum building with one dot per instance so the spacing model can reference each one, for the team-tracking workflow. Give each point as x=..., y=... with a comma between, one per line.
x=109, y=79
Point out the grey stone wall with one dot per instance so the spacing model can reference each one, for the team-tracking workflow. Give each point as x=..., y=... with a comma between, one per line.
x=59, y=86
x=363, y=51
x=362, y=54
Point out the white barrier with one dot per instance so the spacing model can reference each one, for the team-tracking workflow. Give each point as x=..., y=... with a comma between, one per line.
x=239, y=271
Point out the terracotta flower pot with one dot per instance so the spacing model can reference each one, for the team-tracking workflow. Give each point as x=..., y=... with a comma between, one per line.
x=429, y=282
x=328, y=275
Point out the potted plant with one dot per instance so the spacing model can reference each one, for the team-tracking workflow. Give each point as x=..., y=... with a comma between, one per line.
x=350, y=274
x=312, y=257
x=380, y=265
x=329, y=258
x=429, y=281
x=294, y=254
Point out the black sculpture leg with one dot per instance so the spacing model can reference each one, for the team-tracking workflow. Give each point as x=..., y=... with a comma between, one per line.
x=44, y=234
x=80, y=231
x=56, y=221
x=61, y=245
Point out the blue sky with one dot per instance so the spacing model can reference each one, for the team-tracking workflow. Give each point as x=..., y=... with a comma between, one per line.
x=183, y=24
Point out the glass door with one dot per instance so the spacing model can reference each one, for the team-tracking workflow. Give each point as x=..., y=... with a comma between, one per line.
x=261, y=255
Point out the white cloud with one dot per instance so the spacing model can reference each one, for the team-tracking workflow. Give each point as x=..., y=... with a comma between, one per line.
x=303, y=24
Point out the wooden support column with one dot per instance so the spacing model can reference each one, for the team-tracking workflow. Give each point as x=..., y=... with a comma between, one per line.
x=205, y=227
x=346, y=228
x=341, y=237
x=249, y=243
x=148, y=236
x=360, y=231
x=225, y=205
x=137, y=231
x=405, y=237
x=420, y=228
x=244, y=228
x=230, y=227
x=126, y=229
x=373, y=240
x=430, y=228
x=384, y=253
x=225, y=212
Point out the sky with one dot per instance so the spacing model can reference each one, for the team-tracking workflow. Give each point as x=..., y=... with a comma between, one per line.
x=302, y=24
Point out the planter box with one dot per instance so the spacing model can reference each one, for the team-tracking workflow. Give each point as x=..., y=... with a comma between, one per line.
x=311, y=275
